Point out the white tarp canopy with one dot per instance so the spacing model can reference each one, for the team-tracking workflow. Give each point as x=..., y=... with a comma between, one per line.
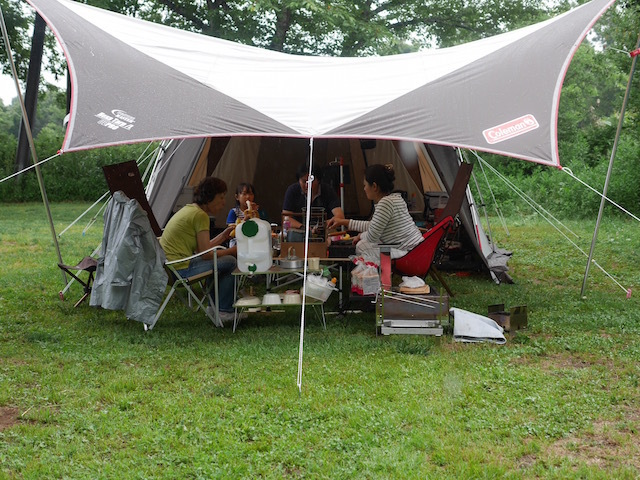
x=133, y=80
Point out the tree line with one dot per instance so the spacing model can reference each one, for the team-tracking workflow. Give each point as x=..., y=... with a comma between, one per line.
x=589, y=107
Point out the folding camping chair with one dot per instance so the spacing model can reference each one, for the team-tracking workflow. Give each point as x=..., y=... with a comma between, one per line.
x=179, y=282
x=416, y=313
x=420, y=261
x=87, y=264
x=126, y=177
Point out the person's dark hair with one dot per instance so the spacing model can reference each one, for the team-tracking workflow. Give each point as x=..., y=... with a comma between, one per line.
x=303, y=170
x=383, y=175
x=207, y=190
x=241, y=187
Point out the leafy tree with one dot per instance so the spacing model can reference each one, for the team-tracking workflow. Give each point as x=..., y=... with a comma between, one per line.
x=52, y=107
x=18, y=24
x=19, y=19
x=588, y=106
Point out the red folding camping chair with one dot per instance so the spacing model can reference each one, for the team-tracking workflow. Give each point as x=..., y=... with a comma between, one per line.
x=418, y=262
x=397, y=313
x=421, y=260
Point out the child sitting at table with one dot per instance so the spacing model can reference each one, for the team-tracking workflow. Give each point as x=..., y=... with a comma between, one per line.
x=244, y=193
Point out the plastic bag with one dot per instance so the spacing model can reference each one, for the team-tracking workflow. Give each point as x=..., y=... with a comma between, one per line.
x=370, y=279
x=356, y=275
x=412, y=282
x=318, y=287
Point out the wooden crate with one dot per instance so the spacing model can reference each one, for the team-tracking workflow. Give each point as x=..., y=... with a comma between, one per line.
x=316, y=249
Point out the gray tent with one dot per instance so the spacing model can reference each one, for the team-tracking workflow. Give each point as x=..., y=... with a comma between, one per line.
x=270, y=165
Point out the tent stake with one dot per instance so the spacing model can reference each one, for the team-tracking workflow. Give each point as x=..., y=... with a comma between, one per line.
x=29, y=133
x=608, y=177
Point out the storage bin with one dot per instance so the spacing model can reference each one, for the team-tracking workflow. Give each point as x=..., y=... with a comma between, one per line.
x=315, y=289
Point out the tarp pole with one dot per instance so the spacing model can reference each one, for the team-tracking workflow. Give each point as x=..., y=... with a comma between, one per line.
x=304, y=270
x=27, y=129
x=342, y=183
x=608, y=177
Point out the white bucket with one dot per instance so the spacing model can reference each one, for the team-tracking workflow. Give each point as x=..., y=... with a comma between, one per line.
x=254, y=245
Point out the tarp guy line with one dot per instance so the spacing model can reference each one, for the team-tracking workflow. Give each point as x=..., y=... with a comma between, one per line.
x=543, y=212
x=523, y=196
x=600, y=194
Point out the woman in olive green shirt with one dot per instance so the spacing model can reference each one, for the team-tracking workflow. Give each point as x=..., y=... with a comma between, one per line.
x=187, y=233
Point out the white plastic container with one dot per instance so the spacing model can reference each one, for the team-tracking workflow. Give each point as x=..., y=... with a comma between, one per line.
x=319, y=288
x=254, y=245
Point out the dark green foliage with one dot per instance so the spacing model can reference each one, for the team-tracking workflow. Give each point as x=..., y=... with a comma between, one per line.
x=72, y=176
x=558, y=192
x=18, y=31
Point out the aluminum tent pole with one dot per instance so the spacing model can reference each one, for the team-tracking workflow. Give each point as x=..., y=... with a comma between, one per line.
x=29, y=133
x=634, y=55
x=304, y=269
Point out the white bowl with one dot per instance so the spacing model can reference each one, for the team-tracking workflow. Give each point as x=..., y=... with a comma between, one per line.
x=247, y=301
x=291, y=298
x=271, y=299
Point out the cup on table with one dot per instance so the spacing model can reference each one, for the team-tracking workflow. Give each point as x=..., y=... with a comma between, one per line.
x=314, y=263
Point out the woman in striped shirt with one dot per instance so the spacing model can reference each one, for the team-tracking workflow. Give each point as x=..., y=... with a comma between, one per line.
x=391, y=223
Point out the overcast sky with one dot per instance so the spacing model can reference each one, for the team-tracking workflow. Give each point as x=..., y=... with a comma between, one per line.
x=7, y=89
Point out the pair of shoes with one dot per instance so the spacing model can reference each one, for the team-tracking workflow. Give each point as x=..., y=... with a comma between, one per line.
x=228, y=316
x=225, y=317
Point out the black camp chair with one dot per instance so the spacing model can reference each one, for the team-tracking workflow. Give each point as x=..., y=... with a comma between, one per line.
x=87, y=264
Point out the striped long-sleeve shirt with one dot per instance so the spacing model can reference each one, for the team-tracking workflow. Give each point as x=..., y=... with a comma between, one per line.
x=391, y=223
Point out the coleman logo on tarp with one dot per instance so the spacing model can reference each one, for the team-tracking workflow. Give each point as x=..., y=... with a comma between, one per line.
x=510, y=129
x=117, y=119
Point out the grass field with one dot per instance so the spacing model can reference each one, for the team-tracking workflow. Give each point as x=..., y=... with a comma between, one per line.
x=85, y=393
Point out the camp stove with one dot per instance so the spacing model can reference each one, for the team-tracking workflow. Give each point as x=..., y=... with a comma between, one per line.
x=413, y=314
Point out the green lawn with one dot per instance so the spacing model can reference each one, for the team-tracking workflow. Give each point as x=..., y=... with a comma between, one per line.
x=85, y=393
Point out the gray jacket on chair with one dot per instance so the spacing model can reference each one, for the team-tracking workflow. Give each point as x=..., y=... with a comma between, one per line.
x=130, y=275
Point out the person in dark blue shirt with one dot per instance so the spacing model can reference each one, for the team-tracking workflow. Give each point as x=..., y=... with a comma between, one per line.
x=323, y=197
